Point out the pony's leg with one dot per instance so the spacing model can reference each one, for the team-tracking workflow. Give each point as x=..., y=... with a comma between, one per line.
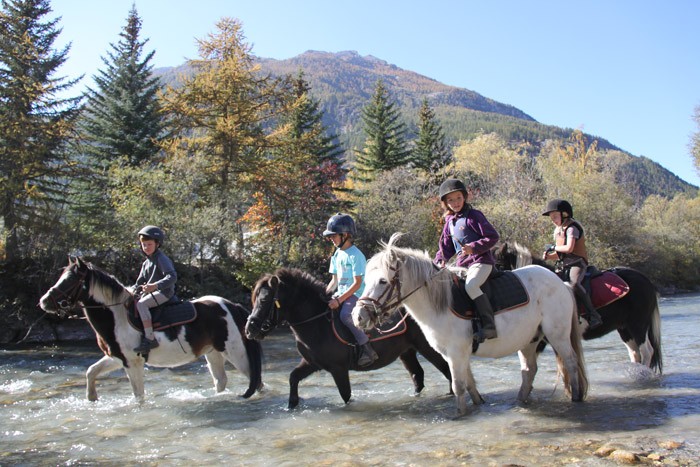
x=105, y=365
x=342, y=381
x=216, y=365
x=302, y=370
x=528, y=370
x=566, y=342
x=633, y=350
x=135, y=374
x=438, y=361
x=411, y=363
x=462, y=384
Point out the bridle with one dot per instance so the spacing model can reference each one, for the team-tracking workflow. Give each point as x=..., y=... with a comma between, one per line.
x=392, y=298
x=68, y=299
x=273, y=314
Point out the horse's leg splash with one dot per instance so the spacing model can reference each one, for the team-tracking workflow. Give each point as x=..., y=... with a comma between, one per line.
x=106, y=364
x=216, y=364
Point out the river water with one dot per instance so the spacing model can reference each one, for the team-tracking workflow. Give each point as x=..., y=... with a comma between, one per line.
x=46, y=420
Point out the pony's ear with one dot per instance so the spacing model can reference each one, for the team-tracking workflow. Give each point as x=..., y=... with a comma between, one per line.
x=79, y=262
x=274, y=281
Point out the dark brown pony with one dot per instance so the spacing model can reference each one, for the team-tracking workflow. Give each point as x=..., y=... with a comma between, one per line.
x=216, y=332
x=297, y=298
x=635, y=316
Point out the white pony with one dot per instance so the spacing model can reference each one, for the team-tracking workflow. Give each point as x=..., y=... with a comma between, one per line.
x=406, y=276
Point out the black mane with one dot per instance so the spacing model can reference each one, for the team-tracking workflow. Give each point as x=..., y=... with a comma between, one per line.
x=304, y=283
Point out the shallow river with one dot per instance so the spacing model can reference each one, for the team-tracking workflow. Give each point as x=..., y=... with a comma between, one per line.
x=46, y=420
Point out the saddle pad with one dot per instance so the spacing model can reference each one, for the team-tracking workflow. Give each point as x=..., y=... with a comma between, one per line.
x=343, y=334
x=165, y=316
x=607, y=288
x=504, y=290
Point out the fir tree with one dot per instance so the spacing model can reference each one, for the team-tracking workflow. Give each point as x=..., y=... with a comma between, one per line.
x=123, y=120
x=430, y=152
x=35, y=124
x=385, y=146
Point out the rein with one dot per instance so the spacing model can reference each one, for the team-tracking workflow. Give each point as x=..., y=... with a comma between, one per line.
x=273, y=316
x=388, y=305
x=71, y=298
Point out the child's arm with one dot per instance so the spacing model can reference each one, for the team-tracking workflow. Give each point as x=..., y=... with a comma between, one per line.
x=332, y=285
x=336, y=302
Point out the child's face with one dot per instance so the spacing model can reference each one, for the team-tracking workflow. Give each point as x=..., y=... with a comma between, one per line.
x=337, y=239
x=556, y=217
x=148, y=246
x=455, y=201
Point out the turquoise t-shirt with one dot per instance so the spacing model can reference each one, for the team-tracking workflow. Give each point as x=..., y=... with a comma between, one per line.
x=347, y=264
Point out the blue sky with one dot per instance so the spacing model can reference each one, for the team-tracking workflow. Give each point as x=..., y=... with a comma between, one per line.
x=627, y=71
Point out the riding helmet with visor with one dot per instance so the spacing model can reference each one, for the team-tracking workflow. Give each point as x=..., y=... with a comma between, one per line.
x=560, y=205
x=151, y=232
x=451, y=185
x=340, y=224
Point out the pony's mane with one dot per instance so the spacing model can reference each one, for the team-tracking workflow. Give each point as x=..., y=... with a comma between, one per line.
x=303, y=282
x=104, y=285
x=416, y=268
x=523, y=255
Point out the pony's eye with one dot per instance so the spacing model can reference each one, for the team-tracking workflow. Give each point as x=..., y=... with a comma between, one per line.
x=383, y=281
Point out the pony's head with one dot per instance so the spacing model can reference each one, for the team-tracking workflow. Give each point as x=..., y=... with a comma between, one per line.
x=280, y=297
x=70, y=288
x=82, y=281
x=511, y=255
x=392, y=276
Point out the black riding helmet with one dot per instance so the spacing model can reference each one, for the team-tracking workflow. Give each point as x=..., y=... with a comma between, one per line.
x=451, y=185
x=340, y=224
x=151, y=232
x=560, y=205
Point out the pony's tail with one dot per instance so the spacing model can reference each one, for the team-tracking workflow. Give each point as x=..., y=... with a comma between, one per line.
x=253, y=349
x=255, y=357
x=654, y=337
x=578, y=393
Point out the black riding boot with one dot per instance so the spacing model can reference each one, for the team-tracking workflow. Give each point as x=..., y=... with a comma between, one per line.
x=146, y=345
x=591, y=314
x=488, y=322
x=367, y=355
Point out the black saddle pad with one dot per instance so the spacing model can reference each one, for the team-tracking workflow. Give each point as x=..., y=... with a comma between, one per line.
x=385, y=331
x=503, y=288
x=172, y=313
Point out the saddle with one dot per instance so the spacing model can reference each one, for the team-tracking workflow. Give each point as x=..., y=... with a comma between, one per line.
x=174, y=312
x=343, y=334
x=504, y=290
x=604, y=287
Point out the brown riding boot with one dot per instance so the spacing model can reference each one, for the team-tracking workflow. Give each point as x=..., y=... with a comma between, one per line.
x=367, y=355
x=488, y=321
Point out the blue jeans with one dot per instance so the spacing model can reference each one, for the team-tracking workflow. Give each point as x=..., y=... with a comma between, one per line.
x=346, y=318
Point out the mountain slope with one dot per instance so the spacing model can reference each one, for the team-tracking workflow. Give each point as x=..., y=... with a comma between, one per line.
x=344, y=82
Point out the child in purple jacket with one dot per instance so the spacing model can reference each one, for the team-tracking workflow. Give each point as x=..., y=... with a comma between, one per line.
x=468, y=234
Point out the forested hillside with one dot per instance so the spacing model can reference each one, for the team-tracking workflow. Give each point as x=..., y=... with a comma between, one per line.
x=343, y=82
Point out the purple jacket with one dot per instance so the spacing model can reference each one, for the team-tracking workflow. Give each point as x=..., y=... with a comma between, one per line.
x=481, y=236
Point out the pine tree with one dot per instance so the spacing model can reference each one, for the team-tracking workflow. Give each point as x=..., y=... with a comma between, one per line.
x=294, y=204
x=385, y=146
x=430, y=152
x=35, y=124
x=123, y=120
x=121, y=127
x=222, y=118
